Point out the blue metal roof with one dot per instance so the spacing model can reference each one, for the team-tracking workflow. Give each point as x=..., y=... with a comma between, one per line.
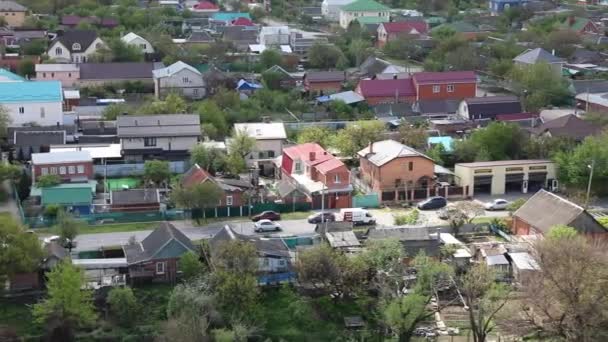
x=30, y=91
x=445, y=141
x=5, y=74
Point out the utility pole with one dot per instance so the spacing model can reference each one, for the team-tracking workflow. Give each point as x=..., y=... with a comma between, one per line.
x=591, y=167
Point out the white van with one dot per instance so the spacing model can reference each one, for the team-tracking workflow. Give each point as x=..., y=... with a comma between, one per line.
x=357, y=216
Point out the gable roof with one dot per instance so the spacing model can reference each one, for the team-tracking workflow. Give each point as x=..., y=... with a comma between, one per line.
x=590, y=86
x=200, y=37
x=437, y=106
x=11, y=6
x=83, y=37
x=569, y=126
x=263, y=246
x=325, y=76
x=173, y=69
x=155, y=242
x=120, y=70
x=387, y=150
x=30, y=91
x=240, y=21
x=575, y=23
x=373, y=65
x=131, y=36
x=409, y=26
x=240, y=33
x=533, y=56
x=387, y=88
x=444, y=77
x=262, y=130
x=545, y=210
x=364, y=6
x=205, y=5
x=158, y=125
x=195, y=175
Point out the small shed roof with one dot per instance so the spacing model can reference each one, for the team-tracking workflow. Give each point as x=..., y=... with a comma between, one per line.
x=524, y=261
x=499, y=259
x=81, y=195
x=342, y=239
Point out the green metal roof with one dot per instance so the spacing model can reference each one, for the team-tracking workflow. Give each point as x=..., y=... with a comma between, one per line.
x=371, y=20
x=576, y=25
x=92, y=184
x=67, y=195
x=365, y=6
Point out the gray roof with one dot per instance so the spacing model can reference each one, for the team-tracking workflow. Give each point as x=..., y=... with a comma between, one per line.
x=537, y=55
x=348, y=97
x=155, y=242
x=590, y=86
x=569, y=126
x=200, y=37
x=109, y=71
x=264, y=247
x=83, y=37
x=61, y=157
x=39, y=138
x=524, y=261
x=393, y=110
x=437, y=106
x=325, y=76
x=545, y=210
x=134, y=196
x=11, y=6
x=489, y=106
x=169, y=125
x=373, y=65
x=285, y=188
x=54, y=249
x=496, y=260
x=240, y=33
x=342, y=239
x=387, y=150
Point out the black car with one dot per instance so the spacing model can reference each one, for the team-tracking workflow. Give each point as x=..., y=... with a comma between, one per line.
x=321, y=217
x=433, y=203
x=266, y=215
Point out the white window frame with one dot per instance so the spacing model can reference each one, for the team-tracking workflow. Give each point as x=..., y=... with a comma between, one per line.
x=450, y=88
x=58, y=51
x=71, y=169
x=21, y=110
x=44, y=170
x=53, y=170
x=436, y=89
x=161, y=270
x=42, y=112
x=76, y=47
x=80, y=169
x=62, y=170
x=229, y=200
x=337, y=178
x=297, y=168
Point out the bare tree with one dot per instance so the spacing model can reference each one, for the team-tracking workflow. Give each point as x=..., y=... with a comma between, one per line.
x=462, y=213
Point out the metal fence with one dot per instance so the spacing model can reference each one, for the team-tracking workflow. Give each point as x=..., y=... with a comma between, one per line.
x=135, y=169
x=366, y=201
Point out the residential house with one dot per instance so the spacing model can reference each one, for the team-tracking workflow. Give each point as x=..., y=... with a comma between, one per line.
x=13, y=13
x=387, y=91
x=301, y=45
x=240, y=36
x=156, y=258
x=39, y=102
x=445, y=85
x=287, y=81
x=393, y=113
x=72, y=21
x=204, y=7
x=413, y=239
x=75, y=198
x=488, y=107
x=75, y=46
x=99, y=74
x=158, y=136
x=330, y=9
x=413, y=29
x=274, y=258
x=592, y=102
x=592, y=86
x=324, y=81
x=137, y=41
x=67, y=74
x=233, y=190
x=322, y=177
x=462, y=28
x=180, y=78
x=270, y=138
x=539, y=55
x=198, y=38
x=580, y=25
x=545, y=210
x=363, y=8
x=372, y=66
x=584, y=56
x=394, y=171
x=569, y=126
x=499, y=6
x=274, y=35
x=71, y=166
x=242, y=22
x=493, y=255
x=125, y=200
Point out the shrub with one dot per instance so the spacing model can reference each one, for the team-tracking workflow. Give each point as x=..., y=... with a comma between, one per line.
x=513, y=206
x=409, y=218
x=46, y=181
x=123, y=305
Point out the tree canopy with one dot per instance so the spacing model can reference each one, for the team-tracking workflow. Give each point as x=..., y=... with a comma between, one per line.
x=22, y=253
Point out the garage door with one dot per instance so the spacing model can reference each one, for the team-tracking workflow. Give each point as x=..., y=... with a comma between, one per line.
x=483, y=184
x=536, y=181
x=514, y=182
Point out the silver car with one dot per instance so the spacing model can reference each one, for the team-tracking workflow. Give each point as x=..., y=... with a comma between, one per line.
x=266, y=226
x=497, y=204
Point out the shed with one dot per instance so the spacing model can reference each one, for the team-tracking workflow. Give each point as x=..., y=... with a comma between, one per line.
x=75, y=197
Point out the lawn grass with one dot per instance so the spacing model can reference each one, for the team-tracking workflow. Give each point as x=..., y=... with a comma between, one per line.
x=109, y=228
x=118, y=183
x=5, y=215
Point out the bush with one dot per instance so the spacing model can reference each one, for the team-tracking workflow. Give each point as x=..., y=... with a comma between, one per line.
x=409, y=218
x=123, y=305
x=46, y=181
x=51, y=211
x=513, y=206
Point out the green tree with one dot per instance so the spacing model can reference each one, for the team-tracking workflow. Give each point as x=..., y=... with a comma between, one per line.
x=539, y=85
x=415, y=137
x=200, y=196
x=123, y=52
x=157, y=171
x=562, y=232
x=211, y=113
x=359, y=49
x=123, y=306
x=172, y=104
x=21, y=252
x=358, y=135
x=500, y=141
x=317, y=134
x=67, y=229
x=46, y=181
x=573, y=166
x=239, y=147
x=437, y=153
x=35, y=47
x=24, y=186
x=114, y=110
x=5, y=121
x=210, y=159
x=270, y=58
x=66, y=306
x=513, y=206
x=272, y=79
x=26, y=68
x=323, y=56
x=342, y=110
x=190, y=265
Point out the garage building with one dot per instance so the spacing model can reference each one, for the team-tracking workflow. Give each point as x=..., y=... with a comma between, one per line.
x=506, y=176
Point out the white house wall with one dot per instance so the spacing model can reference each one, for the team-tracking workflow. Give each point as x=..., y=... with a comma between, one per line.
x=53, y=113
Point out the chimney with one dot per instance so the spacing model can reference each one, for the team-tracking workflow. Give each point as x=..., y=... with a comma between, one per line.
x=312, y=156
x=371, y=147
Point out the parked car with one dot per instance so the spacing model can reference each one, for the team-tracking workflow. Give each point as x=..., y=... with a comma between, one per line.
x=433, y=203
x=266, y=226
x=321, y=217
x=266, y=215
x=357, y=216
x=497, y=204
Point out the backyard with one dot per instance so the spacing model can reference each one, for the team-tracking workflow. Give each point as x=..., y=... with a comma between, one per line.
x=122, y=183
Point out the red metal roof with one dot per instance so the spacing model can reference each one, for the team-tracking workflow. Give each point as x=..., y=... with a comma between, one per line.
x=386, y=88
x=321, y=157
x=242, y=22
x=406, y=26
x=516, y=116
x=195, y=175
x=444, y=77
x=206, y=5
x=329, y=165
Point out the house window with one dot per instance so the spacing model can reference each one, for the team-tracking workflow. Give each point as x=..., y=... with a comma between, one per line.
x=52, y=74
x=76, y=47
x=266, y=262
x=228, y=200
x=21, y=110
x=62, y=170
x=298, y=167
x=44, y=171
x=436, y=89
x=450, y=88
x=185, y=80
x=98, y=46
x=44, y=75
x=71, y=169
x=80, y=168
x=410, y=166
x=42, y=112
x=336, y=178
x=58, y=51
x=195, y=91
x=148, y=142
x=143, y=46
x=160, y=267
x=69, y=74
x=53, y=170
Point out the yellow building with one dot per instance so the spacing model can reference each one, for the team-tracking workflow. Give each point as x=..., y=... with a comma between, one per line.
x=500, y=177
x=363, y=9
x=13, y=13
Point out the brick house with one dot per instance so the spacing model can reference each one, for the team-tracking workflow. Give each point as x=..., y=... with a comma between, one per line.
x=316, y=172
x=233, y=189
x=387, y=91
x=388, y=32
x=546, y=210
x=70, y=166
x=445, y=85
x=324, y=81
x=395, y=171
x=156, y=257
